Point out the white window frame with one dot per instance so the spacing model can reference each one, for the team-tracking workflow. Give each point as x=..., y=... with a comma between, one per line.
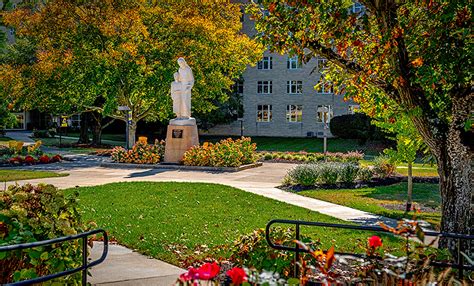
x=324, y=114
x=321, y=63
x=294, y=87
x=294, y=113
x=261, y=110
x=265, y=64
x=293, y=63
x=264, y=87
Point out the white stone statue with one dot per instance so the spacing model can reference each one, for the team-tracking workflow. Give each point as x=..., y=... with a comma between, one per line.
x=181, y=92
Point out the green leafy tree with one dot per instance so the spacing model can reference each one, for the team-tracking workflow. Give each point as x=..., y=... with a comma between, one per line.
x=409, y=144
x=96, y=56
x=414, y=53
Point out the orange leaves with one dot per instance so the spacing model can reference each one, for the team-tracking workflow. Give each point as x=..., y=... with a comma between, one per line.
x=418, y=62
x=397, y=32
x=271, y=7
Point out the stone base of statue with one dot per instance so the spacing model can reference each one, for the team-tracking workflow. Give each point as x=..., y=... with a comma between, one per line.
x=182, y=134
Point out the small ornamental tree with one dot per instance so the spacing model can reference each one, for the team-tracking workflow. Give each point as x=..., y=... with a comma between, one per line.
x=98, y=55
x=416, y=54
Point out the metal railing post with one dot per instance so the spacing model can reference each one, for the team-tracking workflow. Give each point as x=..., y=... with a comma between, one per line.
x=297, y=250
x=84, y=261
x=460, y=260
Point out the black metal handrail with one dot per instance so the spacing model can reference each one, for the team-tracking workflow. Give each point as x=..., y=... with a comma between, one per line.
x=83, y=268
x=297, y=249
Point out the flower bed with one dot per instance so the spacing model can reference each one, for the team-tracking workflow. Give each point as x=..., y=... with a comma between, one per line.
x=17, y=154
x=254, y=263
x=141, y=153
x=310, y=157
x=226, y=153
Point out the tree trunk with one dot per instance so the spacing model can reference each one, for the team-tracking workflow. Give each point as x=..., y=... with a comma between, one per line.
x=96, y=135
x=410, y=187
x=454, y=160
x=96, y=128
x=84, y=134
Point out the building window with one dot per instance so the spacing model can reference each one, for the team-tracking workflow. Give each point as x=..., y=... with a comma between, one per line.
x=324, y=86
x=264, y=113
x=75, y=121
x=352, y=108
x=294, y=113
x=321, y=63
x=264, y=87
x=292, y=63
x=294, y=87
x=265, y=64
x=324, y=113
x=239, y=86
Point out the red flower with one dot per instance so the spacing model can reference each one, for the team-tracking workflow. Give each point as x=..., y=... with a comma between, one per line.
x=56, y=158
x=44, y=159
x=190, y=275
x=29, y=159
x=15, y=160
x=237, y=275
x=375, y=242
x=207, y=271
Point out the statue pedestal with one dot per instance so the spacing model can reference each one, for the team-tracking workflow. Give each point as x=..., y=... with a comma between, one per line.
x=182, y=134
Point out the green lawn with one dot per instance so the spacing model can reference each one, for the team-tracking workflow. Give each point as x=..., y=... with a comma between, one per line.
x=156, y=218
x=284, y=144
x=373, y=200
x=16, y=175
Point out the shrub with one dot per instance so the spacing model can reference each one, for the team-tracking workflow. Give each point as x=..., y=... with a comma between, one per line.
x=268, y=156
x=141, y=153
x=365, y=174
x=226, y=153
x=34, y=149
x=354, y=126
x=35, y=213
x=41, y=134
x=348, y=172
x=305, y=175
x=329, y=173
x=384, y=166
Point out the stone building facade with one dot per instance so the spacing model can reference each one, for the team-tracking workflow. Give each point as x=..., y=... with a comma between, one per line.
x=279, y=98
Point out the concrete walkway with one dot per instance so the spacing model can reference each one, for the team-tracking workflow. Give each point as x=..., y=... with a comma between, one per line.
x=121, y=266
x=124, y=267
x=21, y=136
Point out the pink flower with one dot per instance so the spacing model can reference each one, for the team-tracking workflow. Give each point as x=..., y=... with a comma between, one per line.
x=375, y=242
x=237, y=275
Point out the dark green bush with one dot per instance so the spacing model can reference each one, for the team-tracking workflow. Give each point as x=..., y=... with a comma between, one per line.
x=355, y=126
x=34, y=213
x=41, y=134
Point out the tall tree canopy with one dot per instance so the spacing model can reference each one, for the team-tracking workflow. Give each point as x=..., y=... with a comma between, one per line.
x=418, y=54
x=98, y=55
